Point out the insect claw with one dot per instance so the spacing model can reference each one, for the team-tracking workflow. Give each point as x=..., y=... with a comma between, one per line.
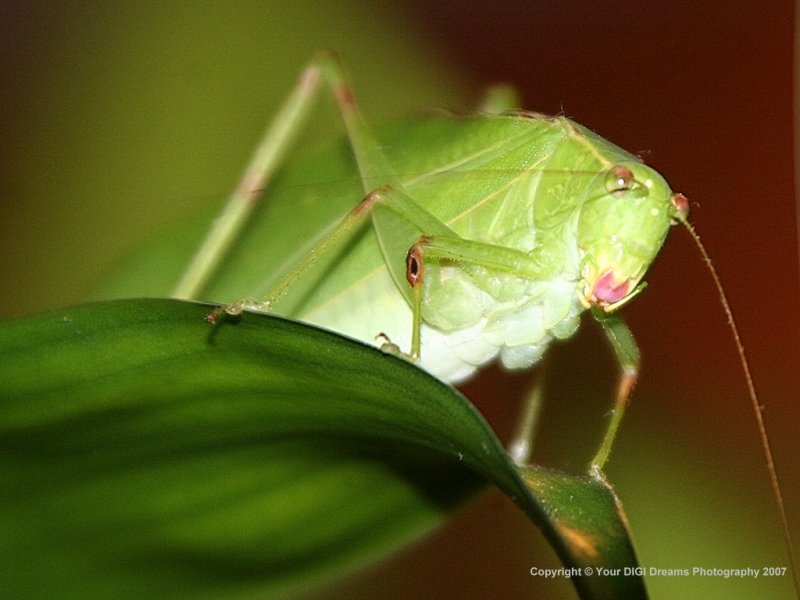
x=388, y=346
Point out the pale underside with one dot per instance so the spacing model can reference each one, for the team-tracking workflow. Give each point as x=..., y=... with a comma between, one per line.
x=519, y=331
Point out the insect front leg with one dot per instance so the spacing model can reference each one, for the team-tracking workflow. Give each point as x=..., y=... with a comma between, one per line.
x=627, y=354
x=412, y=240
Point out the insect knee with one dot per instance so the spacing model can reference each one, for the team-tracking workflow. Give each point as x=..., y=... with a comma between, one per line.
x=376, y=196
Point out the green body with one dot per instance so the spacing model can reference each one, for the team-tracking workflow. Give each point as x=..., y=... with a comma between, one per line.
x=533, y=184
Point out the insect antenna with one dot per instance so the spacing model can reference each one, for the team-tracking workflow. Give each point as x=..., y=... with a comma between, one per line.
x=762, y=430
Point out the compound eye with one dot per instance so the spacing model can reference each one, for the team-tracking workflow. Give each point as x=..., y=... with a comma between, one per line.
x=619, y=179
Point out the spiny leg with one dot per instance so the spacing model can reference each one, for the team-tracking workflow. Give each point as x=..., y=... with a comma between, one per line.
x=627, y=353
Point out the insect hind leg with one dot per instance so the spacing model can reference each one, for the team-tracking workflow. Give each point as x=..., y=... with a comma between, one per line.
x=324, y=68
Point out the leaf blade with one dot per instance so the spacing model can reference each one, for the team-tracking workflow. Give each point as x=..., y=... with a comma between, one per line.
x=143, y=450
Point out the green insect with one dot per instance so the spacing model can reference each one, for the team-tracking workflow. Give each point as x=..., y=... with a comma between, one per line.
x=465, y=240
x=489, y=237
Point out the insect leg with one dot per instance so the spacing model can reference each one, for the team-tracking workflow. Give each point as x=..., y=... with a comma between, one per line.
x=399, y=222
x=520, y=447
x=627, y=353
x=324, y=67
x=410, y=237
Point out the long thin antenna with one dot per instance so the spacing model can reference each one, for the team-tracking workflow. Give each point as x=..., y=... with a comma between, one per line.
x=751, y=388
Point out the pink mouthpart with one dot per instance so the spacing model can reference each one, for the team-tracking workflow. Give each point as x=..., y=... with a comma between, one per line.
x=606, y=289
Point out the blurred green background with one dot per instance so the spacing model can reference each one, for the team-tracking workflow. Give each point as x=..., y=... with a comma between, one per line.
x=118, y=120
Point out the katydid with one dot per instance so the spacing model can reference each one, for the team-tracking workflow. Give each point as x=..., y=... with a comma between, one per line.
x=471, y=239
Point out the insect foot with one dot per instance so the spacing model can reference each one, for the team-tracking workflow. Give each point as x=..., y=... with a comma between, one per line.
x=389, y=347
x=236, y=308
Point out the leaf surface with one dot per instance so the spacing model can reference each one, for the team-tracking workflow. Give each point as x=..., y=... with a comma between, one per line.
x=144, y=453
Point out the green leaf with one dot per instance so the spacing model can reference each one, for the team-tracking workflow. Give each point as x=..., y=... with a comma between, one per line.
x=144, y=453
